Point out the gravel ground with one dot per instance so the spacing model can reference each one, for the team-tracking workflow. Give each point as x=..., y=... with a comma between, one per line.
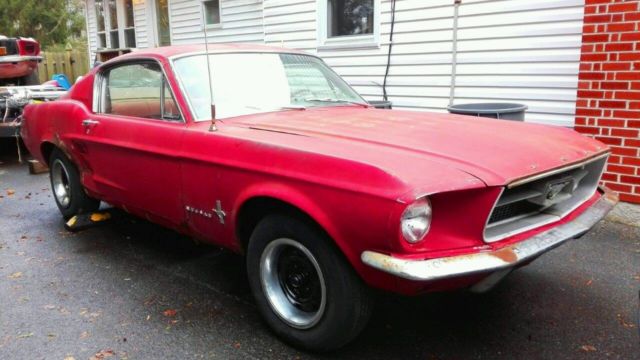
x=132, y=290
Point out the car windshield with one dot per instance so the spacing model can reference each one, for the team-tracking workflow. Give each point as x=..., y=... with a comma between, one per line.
x=250, y=83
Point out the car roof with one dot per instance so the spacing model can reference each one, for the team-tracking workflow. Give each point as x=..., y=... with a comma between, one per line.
x=177, y=50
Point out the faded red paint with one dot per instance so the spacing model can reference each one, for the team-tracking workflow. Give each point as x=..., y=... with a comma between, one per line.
x=351, y=169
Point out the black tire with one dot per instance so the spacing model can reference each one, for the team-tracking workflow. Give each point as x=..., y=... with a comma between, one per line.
x=78, y=201
x=348, y=302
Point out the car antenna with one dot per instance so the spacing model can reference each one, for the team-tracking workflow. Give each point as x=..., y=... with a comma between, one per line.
x=213, y=127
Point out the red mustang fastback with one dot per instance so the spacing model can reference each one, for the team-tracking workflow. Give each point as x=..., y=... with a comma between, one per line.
x=326, y=196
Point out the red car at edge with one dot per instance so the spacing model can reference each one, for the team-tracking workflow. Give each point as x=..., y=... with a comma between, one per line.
x=19, y=58
x=269, y=153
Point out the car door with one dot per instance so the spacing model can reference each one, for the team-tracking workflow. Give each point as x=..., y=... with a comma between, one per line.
x=133, y=141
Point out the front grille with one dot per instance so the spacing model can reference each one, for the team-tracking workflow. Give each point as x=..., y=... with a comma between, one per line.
x=543, y=199
x=512, y=210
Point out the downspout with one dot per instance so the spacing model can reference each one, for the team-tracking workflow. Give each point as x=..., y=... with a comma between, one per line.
x=386, y=72
x=454, y=52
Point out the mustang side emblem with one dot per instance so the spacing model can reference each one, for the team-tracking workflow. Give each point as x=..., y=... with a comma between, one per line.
x=218, y=211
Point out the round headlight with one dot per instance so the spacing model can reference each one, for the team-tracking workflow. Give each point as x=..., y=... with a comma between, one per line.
x=416, y=220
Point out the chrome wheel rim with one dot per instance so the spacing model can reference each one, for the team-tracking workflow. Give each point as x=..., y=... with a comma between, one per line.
x=293, y=283
x=60, y=183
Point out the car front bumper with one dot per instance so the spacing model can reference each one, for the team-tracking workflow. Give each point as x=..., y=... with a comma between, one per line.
x=498, y=262
x=12, y=59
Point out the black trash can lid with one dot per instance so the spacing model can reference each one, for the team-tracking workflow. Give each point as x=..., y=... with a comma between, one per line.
x=487, y=108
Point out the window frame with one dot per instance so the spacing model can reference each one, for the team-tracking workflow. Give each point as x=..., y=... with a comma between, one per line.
x=203, y=18
x=325, y=42
x=121, y=23
x=100, y=34
x=100, y=83
x=187, y=100
x=132, y=27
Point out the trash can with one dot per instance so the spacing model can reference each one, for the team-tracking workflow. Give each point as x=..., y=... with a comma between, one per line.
x=380, y=104
x=506, y=111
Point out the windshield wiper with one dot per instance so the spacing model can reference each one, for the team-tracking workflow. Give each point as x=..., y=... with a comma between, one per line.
x=285, y=107
x=338, y=101
x=293, y=107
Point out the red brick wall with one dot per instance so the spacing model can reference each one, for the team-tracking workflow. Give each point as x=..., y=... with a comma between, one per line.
x=608, y=105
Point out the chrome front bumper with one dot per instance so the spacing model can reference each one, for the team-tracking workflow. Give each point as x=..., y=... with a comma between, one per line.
x=491, y=261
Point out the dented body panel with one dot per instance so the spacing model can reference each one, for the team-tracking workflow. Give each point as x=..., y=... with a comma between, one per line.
x=351, y=169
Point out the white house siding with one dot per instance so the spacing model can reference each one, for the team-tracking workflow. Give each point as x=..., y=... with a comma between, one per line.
x=91, y=30
x=291, y=23
x=517, y=51
x=241, y=22
x=508, y=50
x=140, y=15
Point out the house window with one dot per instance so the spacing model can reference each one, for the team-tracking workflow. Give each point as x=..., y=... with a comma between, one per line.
x=349, y=17
x=114, y=36
x=102, y=36
x=162, y=22
x=129, y=27
x=211, y=12
x=348, y=23
x=115, y=24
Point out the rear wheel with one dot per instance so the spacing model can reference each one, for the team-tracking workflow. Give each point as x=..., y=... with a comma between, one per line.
x=305, y=289
x=67, y=189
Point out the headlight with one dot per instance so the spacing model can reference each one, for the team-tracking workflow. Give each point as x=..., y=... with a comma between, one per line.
x=416, y=220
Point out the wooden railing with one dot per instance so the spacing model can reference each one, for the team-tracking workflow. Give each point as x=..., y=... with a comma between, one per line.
x=71, y=62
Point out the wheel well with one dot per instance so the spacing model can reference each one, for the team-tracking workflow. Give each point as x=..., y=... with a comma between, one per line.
x=257, y=208
x=46, y=149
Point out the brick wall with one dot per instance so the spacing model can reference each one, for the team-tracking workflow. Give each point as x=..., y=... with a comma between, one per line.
x=608, y=105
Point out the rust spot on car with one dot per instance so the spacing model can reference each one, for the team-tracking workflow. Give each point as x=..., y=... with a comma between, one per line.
x=506, y=254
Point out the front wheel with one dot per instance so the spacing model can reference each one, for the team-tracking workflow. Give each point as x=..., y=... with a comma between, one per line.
x=67, y=188
x=304, y=288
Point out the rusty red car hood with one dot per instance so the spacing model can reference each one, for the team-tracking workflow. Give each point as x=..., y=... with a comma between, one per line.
x=495, y=151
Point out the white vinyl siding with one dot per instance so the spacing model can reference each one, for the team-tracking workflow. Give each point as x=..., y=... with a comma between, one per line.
x=291, y=23
x=92, y=30
x=140, y=16
x=508, y=50
x=241, y=21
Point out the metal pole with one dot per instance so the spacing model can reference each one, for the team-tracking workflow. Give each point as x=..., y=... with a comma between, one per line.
x=454, y=52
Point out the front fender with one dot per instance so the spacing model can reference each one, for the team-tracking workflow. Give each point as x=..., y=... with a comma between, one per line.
x=354, y=221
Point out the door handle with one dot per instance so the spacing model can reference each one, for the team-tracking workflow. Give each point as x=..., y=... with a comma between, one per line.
x=89, y=123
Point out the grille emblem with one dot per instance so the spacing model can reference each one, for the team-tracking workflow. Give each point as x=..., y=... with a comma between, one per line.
x=554, y=189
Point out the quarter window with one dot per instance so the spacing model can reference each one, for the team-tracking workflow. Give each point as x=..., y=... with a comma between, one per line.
x=138, y=90
x=211, y=12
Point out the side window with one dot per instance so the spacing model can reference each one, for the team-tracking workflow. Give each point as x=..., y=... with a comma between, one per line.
x=138, y=90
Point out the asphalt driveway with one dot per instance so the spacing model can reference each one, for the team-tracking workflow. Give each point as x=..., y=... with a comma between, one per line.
x=133, y=290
